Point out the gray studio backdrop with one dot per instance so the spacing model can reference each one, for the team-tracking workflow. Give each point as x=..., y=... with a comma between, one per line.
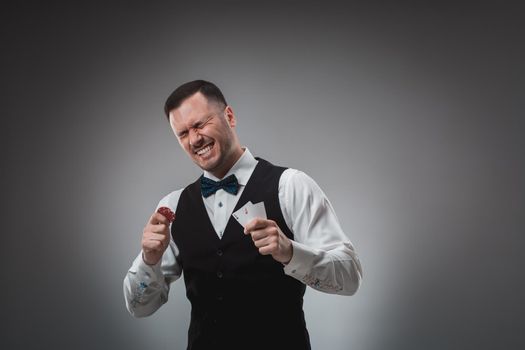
x=409, y=116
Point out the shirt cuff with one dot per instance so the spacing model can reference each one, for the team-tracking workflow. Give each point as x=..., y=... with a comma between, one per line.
x=302, y=260
x=144, y=272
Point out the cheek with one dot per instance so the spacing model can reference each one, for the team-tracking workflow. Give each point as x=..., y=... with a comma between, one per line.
x=185, y=145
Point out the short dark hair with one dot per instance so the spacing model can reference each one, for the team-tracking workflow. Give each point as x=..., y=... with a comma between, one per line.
x=210, y=90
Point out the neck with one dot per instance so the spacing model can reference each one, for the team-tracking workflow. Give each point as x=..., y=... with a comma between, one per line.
x=219, y=173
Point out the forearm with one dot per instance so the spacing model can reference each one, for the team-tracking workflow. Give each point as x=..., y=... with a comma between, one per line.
x=146, y=287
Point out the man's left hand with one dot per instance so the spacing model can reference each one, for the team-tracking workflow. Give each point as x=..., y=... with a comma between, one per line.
x=269, y=239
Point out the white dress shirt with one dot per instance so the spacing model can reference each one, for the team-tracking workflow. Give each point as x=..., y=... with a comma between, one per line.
x=323, y=257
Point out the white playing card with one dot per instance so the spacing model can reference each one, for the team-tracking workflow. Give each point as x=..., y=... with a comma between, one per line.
x=258, y=210
x=248, y=212
x=244, y=214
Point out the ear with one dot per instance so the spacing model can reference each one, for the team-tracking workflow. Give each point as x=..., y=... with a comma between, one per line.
x=230, y=117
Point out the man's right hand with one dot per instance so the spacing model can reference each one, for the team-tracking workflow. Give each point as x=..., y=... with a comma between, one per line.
x=155, y=238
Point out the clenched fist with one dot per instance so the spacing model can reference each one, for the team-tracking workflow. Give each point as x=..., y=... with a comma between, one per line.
x=269, y=239
x=155, y=238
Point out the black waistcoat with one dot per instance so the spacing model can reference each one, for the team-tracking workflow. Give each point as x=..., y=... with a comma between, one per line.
x=239, y=298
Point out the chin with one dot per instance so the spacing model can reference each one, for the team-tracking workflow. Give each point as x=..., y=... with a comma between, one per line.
x=208, y=166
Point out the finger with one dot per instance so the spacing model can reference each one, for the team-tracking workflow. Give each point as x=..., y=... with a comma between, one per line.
x=158, y=218
x=160, y=228
x=256, y=223
x=267, y=231
x=268, y=249
x=264, y=242
x=156, y=236
x=153, y=245
x=259, y=234
x=163, y=244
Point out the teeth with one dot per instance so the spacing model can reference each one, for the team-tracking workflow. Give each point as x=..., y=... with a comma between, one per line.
x=204, y=150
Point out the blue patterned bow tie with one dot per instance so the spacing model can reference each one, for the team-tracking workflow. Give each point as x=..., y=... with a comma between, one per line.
x=209, y=187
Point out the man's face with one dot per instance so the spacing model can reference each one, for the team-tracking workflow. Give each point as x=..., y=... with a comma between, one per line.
x=205, y=131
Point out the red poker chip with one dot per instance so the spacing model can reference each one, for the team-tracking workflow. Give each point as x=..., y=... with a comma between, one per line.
x=168, y=214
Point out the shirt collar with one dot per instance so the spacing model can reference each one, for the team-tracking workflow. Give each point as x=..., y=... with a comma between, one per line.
x=242, y=169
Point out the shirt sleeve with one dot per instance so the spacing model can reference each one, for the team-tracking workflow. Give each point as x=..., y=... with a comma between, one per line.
x=146, y=287
x=323, y=256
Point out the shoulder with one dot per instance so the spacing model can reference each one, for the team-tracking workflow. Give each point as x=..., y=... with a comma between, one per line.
x=297, y=182
x=296, y=177
x=291, y=174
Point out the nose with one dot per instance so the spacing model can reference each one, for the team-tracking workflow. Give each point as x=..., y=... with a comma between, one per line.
x=194, y=137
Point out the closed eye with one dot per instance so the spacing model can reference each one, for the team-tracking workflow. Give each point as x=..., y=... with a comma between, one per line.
x=198, y=125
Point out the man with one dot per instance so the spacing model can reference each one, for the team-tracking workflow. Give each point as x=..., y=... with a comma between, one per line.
x=245, y=284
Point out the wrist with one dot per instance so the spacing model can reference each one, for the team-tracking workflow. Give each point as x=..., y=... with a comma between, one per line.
x=148, y=261
x=289, y=254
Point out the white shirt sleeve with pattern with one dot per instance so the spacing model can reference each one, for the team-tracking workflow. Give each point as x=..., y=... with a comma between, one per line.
x=146, y=287
x=323, y=257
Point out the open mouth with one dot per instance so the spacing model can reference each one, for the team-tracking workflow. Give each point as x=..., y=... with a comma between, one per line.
x=205, y=150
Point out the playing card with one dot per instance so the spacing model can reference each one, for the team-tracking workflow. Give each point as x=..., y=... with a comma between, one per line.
x=258, y=210
x=244, y=214
x=250, y=211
